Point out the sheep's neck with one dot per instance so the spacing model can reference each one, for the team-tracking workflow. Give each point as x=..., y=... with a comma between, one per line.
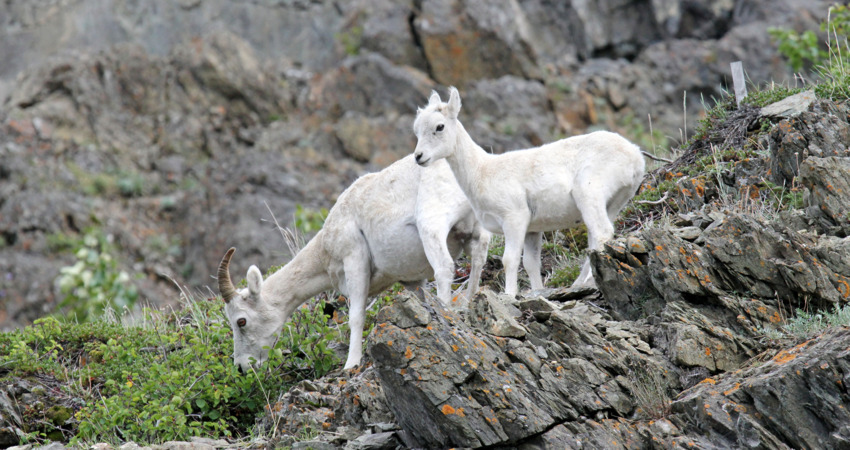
x=466, y=160
x=300, y=279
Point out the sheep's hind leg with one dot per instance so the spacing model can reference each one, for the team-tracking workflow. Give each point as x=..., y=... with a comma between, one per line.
x=514, y=229
x=476, y=250
x=600, y=229
x=357, y=279
x=531, y=259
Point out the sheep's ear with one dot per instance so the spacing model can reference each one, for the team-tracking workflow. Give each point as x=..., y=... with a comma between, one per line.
x=454, y=103
x=255, y=281
x=434, y=99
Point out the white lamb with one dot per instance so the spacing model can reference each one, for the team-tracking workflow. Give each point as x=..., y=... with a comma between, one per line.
x=523, y=193
x=386, y=227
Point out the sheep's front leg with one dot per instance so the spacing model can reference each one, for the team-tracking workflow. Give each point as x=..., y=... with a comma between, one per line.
x=437, y=252
x=514, y=229
x=531, y=259
x=357, y=284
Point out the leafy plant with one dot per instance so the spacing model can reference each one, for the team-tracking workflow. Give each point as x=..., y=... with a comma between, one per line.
x=95, y=283
x=351, y=40
x=800, y=49
x=308, y=220
x=804, y=323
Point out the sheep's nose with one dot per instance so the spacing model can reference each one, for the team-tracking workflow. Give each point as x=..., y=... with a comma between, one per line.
x=418, y=157
x=241, y=370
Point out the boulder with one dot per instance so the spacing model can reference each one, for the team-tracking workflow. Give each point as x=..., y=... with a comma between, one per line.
x=821, y=131
x=827, y=191
x=454, y=384
x=794, y=399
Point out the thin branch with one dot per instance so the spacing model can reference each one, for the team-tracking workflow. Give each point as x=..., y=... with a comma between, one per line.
x=654, y=202
x=657, y=158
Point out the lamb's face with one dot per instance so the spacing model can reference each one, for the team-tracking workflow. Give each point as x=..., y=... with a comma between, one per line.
x=255, y=328
x=436, y=129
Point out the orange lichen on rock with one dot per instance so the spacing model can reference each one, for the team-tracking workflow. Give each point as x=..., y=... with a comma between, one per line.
x=408, y=353
x=447, y=409
x=732, y=389
x=708, y=381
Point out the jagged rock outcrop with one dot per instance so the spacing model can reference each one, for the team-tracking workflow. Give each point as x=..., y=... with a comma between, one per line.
x=185, y=118
x=670, y=353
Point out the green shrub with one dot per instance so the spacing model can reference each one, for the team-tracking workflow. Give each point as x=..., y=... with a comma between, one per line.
x=95, y=283
x=804, y=324
x=308, y=220
x=800, y=49
x=171, y=376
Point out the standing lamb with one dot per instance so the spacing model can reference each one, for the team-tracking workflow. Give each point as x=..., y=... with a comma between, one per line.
x=523, y=193
x=386, y=227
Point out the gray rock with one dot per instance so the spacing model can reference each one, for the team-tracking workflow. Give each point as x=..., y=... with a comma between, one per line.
x=377, y=441
x=455, y=385
x=731, y=407
x=791, y=106
x=820, y=132
x=494, y=315
x=827, y=191
x=314, y=445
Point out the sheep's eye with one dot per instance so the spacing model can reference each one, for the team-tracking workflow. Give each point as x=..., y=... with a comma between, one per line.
x=241, y=322
x=440, y=127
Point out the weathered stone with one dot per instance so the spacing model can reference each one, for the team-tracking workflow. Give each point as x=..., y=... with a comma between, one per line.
x=314, y=445
x=494, y=315
x=739, y=254
x=377, y=441
x=790, y=106
x=465, y=41
x=732, y=407
x=568, y=293
x=821, y=131
x=827, y=194
x=409, y=313
x=181, y=445
x=371, y=85
x=456, y=386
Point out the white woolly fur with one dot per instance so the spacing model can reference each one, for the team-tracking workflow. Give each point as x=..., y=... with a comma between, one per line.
x=403, y=224
x=521, y=194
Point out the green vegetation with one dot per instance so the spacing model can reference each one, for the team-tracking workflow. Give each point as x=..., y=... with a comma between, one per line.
x=805, y=324
x=112, y=183
x=804, y=50
x=800, y=49
x=94, y=283
x=308, y=220
x=830, y=64
x=351, y=40
x=164, y=375
x=566, y=248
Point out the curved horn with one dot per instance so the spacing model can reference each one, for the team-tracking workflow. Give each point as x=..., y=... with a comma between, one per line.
x=225, y=286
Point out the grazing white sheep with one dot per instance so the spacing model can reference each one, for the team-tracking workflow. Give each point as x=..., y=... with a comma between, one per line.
x=386, y=227
x=521, y=194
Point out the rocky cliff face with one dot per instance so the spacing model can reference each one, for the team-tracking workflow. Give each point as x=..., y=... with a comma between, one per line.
x=179, y=128
x=672, y=352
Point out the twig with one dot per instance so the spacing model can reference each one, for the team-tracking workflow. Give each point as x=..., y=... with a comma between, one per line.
x=654, y=202
x=657, y=158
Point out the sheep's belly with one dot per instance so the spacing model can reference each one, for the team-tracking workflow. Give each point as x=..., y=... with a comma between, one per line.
x=401, y=256
x=555, y=222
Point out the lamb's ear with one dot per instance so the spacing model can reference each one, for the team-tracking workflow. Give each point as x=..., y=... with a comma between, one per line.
x=454, y=103
x=434, y=99
x=255, y=281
